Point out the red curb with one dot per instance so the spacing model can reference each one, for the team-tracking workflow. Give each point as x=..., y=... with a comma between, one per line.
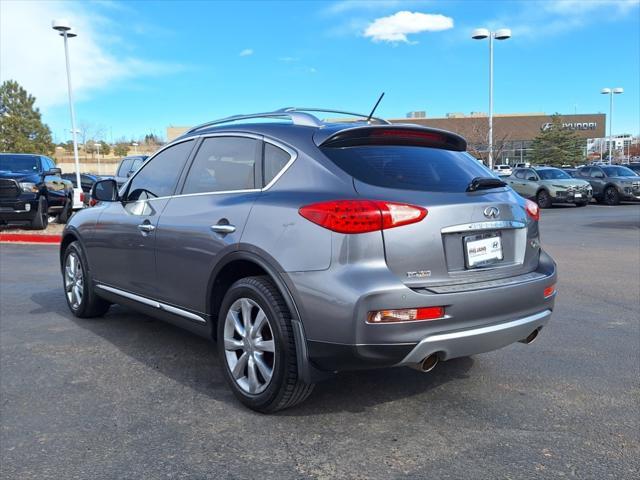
x=30, y=238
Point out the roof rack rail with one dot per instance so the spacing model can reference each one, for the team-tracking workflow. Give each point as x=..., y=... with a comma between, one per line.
x=298, y=118
x=328, y=110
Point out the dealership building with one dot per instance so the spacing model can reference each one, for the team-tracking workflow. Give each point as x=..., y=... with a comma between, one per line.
x=513, y=133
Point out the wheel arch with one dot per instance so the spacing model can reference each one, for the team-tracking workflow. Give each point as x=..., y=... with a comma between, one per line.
x=250, y=262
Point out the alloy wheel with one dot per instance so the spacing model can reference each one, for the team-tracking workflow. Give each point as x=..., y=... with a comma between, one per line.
x=249, y=346
x=73, y=280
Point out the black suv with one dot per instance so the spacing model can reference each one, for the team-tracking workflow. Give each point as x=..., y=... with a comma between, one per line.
x=32, y=189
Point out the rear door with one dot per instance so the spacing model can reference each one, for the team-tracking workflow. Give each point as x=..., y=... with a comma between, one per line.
x=449, y=245
x=207, y=218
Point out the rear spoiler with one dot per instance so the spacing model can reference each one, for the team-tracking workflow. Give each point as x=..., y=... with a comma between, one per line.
x=406, y=135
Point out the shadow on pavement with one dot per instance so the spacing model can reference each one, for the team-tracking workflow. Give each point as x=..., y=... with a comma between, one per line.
x=192, y=361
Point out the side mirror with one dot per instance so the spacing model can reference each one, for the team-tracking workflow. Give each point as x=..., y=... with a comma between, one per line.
x=53, y=171
x=532, y=179
x=105, y=191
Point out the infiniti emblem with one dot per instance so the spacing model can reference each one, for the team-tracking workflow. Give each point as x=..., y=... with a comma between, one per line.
x=491, y=212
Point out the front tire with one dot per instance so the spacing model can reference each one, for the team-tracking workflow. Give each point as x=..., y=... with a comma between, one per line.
x=581, y=204
x=543, y=199
x=78, y=284
x=257, y=348
x=611, y=196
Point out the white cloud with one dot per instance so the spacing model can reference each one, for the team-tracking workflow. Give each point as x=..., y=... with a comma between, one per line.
x=33, y=54
x=396, y=27
x=246, y=52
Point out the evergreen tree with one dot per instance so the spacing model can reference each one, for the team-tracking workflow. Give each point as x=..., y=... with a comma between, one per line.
x=557, y=145
x=21, y=127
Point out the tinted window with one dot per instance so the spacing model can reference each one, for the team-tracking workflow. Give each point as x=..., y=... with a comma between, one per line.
x=619, y=172
x=159, y=177
x=19, y=163
x=223, y=164
x=521, y=174
x=125, y=167
x=553, y=174
x=274, y=160
x=409, y=168
x=597, y=173
x=584, y=172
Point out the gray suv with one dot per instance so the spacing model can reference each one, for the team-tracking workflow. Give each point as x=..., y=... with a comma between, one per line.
x=306, y=248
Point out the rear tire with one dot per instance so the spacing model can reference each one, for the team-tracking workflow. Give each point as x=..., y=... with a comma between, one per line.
x=611, y=196
x=78, y=284
x=581, y=204
x=257, y=347
x=543, y=199
x=40, y=220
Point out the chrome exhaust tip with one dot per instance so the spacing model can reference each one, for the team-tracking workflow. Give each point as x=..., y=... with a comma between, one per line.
x=428, y=364
x=531, y=337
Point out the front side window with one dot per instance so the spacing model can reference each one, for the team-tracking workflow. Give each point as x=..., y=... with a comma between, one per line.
x=597, y=173
x=274, y=161
x=158, y=178
x=223, y=164
x=522, y=174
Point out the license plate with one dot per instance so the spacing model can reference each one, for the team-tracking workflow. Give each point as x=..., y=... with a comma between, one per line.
x=577, y=195
x=482, y=250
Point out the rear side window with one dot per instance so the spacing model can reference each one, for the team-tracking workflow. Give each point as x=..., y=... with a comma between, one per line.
x=158, y=178
x=408, y=167
x=274, y=161
x=522, y=174
x=223, y=164
x=125, y=167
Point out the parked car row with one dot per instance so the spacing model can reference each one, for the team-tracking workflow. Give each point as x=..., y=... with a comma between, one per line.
x=609, y=184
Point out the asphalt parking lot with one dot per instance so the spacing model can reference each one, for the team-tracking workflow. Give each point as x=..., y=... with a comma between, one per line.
x=126, y=396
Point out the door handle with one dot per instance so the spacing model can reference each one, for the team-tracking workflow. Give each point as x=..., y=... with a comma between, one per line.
x=223, y=228
x=146, y=227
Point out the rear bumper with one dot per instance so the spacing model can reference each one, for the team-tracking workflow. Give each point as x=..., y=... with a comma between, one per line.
x=479, y=317
x=463, y=343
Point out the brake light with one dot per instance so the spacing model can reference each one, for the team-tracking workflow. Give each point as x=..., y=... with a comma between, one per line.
x=532, y=210
x=82, y=197
x=549, y=291
x=406, y=315
x=361, y=216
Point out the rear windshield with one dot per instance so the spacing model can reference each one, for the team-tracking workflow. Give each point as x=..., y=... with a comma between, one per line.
x=19, y=163
x=409, y=168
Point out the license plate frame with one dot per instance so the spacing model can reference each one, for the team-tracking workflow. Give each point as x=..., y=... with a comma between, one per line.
x=482, y=240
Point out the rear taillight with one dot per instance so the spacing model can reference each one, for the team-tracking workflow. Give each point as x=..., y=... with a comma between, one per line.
x=361, y=216
x=549, y=291
x=406, y=315
x=82, y=197
x=532, y=210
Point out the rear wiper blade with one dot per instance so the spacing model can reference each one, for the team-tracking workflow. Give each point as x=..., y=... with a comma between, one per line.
x=485, y=183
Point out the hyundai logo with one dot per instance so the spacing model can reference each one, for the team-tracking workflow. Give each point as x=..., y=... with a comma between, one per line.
x=491, y=212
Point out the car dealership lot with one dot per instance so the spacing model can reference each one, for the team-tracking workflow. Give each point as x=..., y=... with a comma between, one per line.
x=126, y=396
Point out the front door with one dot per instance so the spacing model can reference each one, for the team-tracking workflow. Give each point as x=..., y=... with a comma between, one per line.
x=207, y=218
x=122, y=249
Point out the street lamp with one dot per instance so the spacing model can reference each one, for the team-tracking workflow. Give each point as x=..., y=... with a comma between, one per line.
x=135, y=147
x=611, y=92
x=500, y=34
x=63, y=27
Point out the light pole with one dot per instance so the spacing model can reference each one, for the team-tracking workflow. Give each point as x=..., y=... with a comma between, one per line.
x=97, y=145
x=135, y=147
x=611, y=92
x=500, y=34
x=63, y=27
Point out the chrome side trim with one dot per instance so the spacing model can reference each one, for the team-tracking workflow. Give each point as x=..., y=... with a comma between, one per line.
x=153, y=303
x=498, y=224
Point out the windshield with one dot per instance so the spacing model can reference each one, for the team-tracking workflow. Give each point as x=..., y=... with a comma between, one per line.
x=553, y=174
x=19, y=163
x=619, y=172
x=408, y=167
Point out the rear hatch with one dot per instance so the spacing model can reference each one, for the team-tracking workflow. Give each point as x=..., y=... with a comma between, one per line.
x=472, y=232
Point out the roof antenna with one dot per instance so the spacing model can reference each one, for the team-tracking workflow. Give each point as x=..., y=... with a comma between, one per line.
x=374, y=107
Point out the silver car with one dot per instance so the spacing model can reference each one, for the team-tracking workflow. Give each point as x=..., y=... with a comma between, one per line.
x=305, y=248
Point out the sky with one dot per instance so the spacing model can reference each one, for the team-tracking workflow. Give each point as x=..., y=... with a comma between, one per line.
x=138, y=67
